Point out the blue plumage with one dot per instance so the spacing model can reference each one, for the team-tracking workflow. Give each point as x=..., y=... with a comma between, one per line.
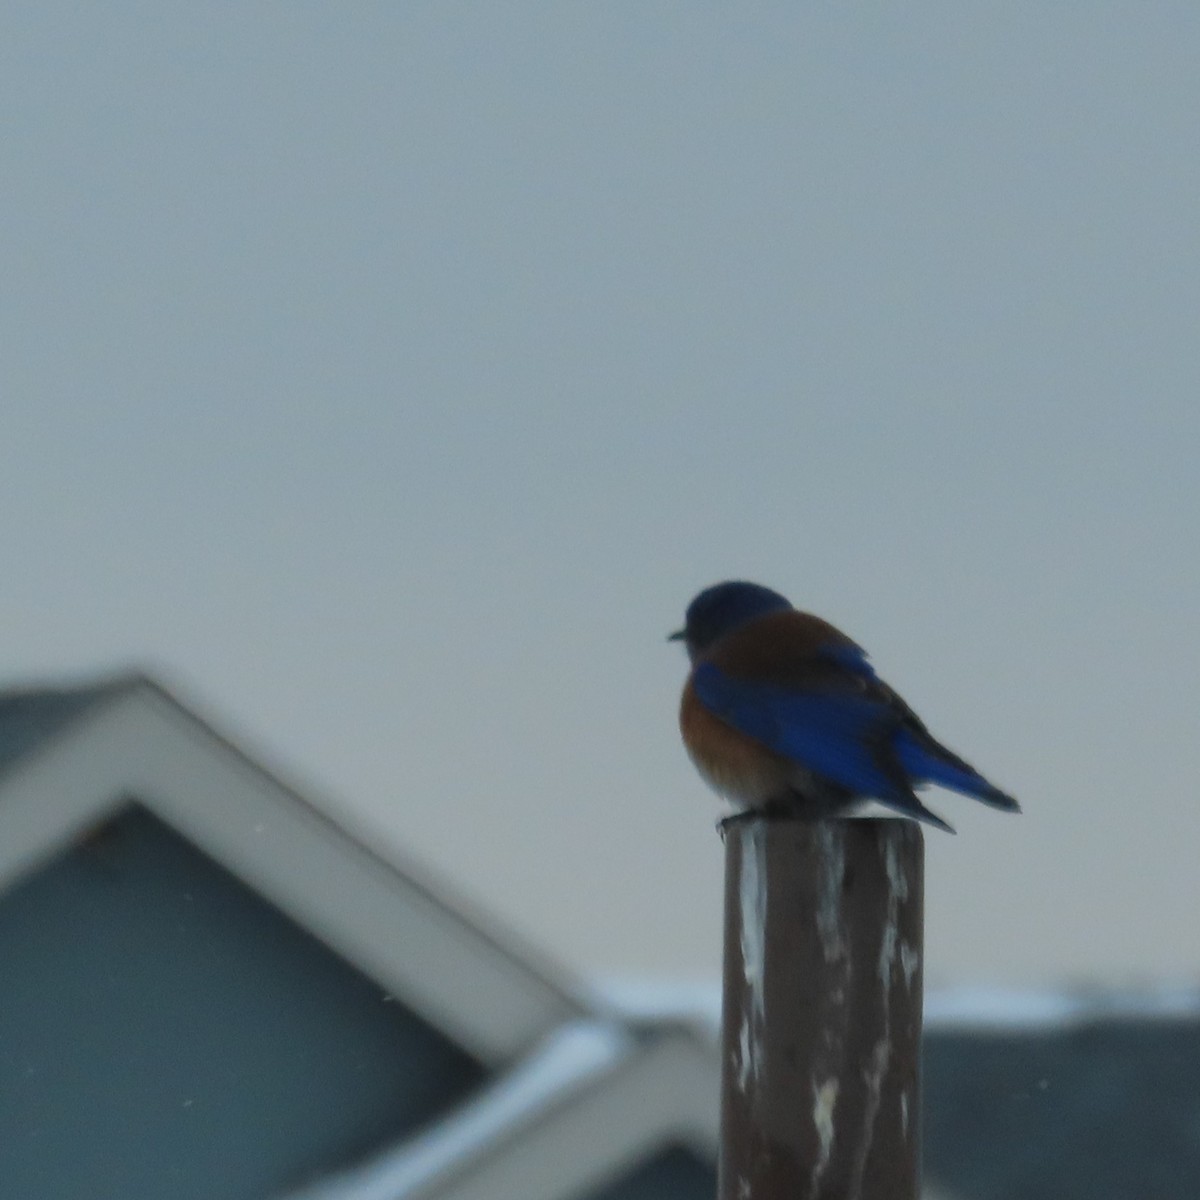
x=824, y=732
x=784, y=712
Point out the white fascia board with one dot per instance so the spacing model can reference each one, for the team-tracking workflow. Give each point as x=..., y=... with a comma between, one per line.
x=141, y=745
x=665, y=1093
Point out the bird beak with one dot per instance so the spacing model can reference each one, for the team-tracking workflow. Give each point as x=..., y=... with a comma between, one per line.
x=680, y=635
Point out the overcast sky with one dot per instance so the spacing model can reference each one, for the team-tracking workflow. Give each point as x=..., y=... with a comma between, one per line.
x=389, y=377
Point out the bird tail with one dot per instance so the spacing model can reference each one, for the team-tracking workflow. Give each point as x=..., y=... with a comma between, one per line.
x=928, y=761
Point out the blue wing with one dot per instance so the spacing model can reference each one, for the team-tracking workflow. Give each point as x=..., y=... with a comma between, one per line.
x=866, y=741
x=837, y=735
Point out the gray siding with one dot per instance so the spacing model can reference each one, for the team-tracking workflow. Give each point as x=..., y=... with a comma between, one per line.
x=165, y=1034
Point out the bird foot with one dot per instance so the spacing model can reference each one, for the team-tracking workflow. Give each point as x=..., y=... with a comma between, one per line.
x=772, y=810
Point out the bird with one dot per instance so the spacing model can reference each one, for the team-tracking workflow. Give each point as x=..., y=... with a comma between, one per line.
x=783, y=714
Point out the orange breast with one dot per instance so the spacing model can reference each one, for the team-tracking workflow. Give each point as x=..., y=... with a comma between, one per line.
x=733, y=764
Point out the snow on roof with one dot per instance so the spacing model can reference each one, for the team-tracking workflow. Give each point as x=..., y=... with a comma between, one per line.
x=999, y=1008
x=640, y=1001
x=963, y=1007
x=573, y=1055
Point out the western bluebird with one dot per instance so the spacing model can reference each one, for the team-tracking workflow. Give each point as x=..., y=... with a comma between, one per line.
x=782, y=713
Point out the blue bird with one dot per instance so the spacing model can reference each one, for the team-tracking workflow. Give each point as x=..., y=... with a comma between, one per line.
x=783, y=714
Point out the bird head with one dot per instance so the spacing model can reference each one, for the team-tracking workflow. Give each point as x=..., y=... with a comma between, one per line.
x=722, y=608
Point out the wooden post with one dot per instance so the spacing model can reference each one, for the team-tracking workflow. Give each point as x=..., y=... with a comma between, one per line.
x=821, y=1024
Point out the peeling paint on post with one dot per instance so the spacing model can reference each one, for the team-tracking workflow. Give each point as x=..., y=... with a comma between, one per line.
x=821, y=1028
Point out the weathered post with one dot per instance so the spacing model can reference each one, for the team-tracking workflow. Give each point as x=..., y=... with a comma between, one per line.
x=821, y=1025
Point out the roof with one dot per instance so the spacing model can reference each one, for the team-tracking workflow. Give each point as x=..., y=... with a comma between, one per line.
x=1094, y=1093
x=1079, y=1096
x=573, y=1056
x=70, y=757
x=1067, y=1094
x=596, y=1099
x=564, y=1065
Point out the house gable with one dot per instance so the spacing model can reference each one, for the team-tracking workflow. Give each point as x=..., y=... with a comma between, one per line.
x=210, y=988
x=134, y=740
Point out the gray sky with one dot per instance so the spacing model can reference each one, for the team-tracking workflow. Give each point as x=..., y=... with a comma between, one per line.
x=390, y=377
